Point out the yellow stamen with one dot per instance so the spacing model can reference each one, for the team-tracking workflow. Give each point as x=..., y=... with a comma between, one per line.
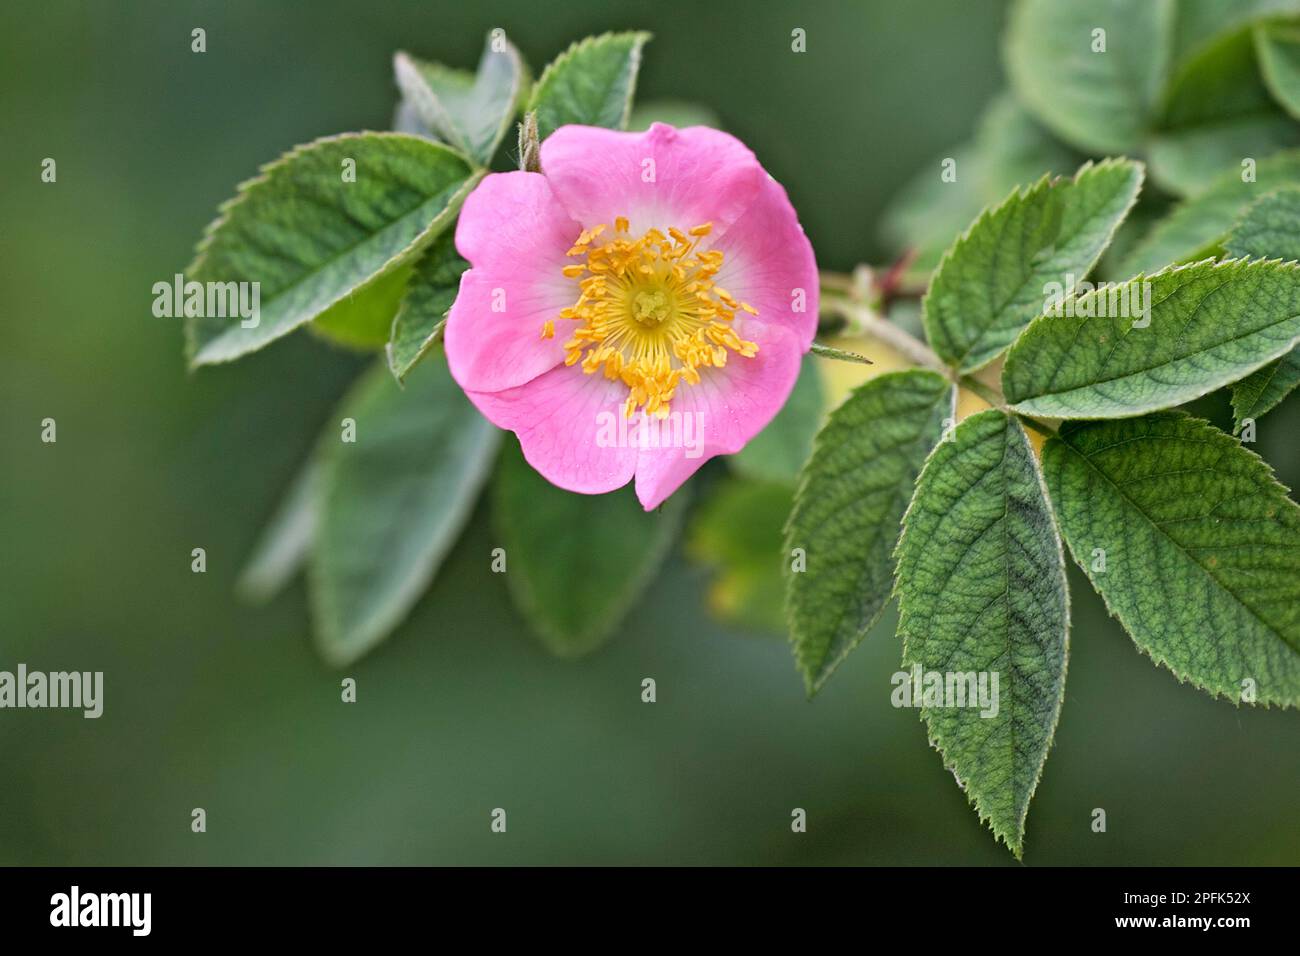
x=649, y=312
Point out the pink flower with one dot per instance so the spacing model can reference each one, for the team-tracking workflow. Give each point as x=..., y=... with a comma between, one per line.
x=635, y=309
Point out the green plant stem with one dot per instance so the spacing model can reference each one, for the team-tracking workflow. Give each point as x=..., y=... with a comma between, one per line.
x=863, y=320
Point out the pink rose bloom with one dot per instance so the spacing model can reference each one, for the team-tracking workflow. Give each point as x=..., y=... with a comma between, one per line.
x=638, y=307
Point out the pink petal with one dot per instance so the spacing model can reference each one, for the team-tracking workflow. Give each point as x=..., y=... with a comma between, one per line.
x=726, y=409
x=768, y=262
x=560, y=417
x=514, y=219
x=488, y=351
x=699, y=175
x=515, y=235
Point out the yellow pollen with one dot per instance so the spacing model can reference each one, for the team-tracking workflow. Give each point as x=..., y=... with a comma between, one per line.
x=648, y=312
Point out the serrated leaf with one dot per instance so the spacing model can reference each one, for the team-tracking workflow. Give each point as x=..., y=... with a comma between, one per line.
x=311, y=239
x=1262, y=391
x=469, y=111
x=1201, y=548
x=1099, y=102
x=778, y=452
x=417, y=327
x=282, y=546
x=1209, y=324
x=982, y=591
x=591, y=83
x=851, y=498
x=992, y=282
x=1196, y=227
x=1269, y=229
x=1278, y=46
x=391, y=503
x=576, y=563
x=363, y=320
x=1215, y=111
x=736, y=531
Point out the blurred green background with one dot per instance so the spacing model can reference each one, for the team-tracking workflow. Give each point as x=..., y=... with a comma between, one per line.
x=211, y=704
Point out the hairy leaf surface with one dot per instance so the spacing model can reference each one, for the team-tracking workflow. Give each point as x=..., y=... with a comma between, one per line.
x=1209, y=324
x=982, y=591
x=852, y=495
x=1193, y=544
x=591, y=83
x=312, y=239
x=991, y=282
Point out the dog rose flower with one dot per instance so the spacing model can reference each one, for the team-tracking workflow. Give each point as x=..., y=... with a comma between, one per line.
x=638, y=307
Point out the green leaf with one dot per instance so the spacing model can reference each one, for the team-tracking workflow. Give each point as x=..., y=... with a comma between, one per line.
x=311, y=240
x=679, y=113
x=417, y=327
x=1210, y=324
x=576, y=563
x=392, y=502
x=363, y=320
x=282, y=547
x=778, y=452
x=851, y=498
x=736, y=531
x=1201, y=548
x=1216, y=110
x=992, y=281
x=1200, y=22
x=1099, y=102
x=1197, y=226
x=1269, y=229
x=982, y=591
x=1278, y=45
x=469, y=111
x=591, y=83
x=1262, y=391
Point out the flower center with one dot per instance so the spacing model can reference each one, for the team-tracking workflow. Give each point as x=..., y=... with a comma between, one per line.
x=649, y=313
